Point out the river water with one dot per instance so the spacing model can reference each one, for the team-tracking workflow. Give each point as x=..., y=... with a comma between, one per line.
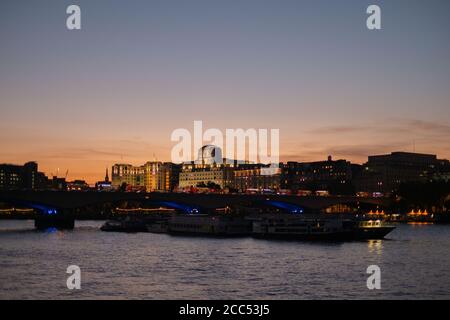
x=414, y=261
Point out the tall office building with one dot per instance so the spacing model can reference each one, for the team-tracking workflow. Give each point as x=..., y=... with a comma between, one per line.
x=161, y=176
x=170, y=175
x=385, y=173
x=133, y=176
x=15, y=177
x=152, y=176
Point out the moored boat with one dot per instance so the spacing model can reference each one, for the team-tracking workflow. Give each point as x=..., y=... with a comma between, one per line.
x=160, y=226
x=126, y=225
x=318, y=227
x=209, y=225
x=371, y=229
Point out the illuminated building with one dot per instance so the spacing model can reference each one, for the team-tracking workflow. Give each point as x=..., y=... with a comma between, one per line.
x=209, y=168
x=193, y=175
x=129, y=175
x=152, y=176
x=170, y=176
x=161, y=176
x=256, y=177
x=104, y=185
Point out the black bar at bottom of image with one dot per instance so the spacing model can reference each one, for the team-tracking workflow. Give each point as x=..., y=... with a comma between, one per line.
x=229, y=309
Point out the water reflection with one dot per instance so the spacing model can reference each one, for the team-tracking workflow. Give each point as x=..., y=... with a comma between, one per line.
x=166, y=267
x=51, y=230
x=375, y=246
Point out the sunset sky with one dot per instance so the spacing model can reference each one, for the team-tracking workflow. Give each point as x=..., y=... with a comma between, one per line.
x=114, y=91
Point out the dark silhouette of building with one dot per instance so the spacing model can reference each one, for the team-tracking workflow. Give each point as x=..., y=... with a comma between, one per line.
x=385, y=173
x=17, y=177
x=170, y=176
x=59, y=184
x=442, y=172
x=319, y=175
x=77, y=185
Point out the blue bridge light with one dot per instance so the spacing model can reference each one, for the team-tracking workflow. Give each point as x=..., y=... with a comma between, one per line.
x=289, y=207
x=183, y=207
x=43, y=209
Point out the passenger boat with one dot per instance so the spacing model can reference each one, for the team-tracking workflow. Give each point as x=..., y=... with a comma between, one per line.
x=125, y=225
x=271, y=225
x=160, y=226
x=371, y=229
x=209, y=225
x=112, y=225
x=136, y=222
x=317, y=227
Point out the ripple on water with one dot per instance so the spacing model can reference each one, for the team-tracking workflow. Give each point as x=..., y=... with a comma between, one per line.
x=414, y=264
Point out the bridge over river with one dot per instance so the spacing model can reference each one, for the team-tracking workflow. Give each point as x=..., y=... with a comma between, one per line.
x=60, y=203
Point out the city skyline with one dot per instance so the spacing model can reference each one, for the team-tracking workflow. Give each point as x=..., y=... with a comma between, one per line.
x=115, y=90
x=109, y=170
